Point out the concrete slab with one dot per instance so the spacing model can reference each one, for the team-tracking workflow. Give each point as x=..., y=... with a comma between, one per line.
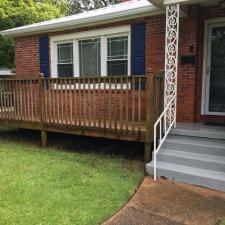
x=166, y=202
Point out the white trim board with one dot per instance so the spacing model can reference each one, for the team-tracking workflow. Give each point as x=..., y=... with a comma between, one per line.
x=75, y=37
x=209, y=24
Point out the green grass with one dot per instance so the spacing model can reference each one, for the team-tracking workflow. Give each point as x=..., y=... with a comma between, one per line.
x=222, y=223
x=48, y=186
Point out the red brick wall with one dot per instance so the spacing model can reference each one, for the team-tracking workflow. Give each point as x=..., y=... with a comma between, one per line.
x=187, y=73
x=27, y=56
x=191, y=43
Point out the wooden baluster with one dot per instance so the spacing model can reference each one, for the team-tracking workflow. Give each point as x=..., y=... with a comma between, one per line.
x=30, y=100
x=14, y=106
x=20, y=95
x=115, y=105
x=57, y=104
x=99, y=98
x=62, y=101
x=66, y=103
x=24, y=101
x=50, y=101
x=94, y=102
x=80, y=102
x=89, y=105
x=71, y=102
x=121, y=105
x=8, y=100
x=1, y=99
x=104, y=106
x=54, y=99
x=42, y=110
x=5, y=100
x=127, y=116
x=11, y=99
x=110, y=103
x=133, y=104
x=85, y=101
x=75, y=105
x=139, y=105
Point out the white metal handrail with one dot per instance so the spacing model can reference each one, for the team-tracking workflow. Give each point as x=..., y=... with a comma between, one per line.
x=168, y=120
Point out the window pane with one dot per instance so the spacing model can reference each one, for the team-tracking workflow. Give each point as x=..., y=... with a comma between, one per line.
x=65, y=53
x=117, y=48
x=65, y=70
x=117, y=67
x=90, y=57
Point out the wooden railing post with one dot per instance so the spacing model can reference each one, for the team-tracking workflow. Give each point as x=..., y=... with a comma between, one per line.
x=149, y=115
x=41, y=111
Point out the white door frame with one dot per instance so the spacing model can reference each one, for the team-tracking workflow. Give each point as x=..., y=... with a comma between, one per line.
x=209, y=25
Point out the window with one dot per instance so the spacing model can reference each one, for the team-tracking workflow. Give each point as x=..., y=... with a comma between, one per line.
x=65, y=60
x=102, y=52
x=117, y=57
x=90, y=57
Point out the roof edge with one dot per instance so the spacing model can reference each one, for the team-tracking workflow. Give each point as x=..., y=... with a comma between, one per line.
x=149, y=10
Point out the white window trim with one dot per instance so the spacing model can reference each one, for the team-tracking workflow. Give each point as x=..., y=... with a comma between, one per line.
x=209, y=24
x=75, y=37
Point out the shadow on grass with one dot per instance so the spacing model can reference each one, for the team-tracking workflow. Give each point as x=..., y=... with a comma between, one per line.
x=66, y=142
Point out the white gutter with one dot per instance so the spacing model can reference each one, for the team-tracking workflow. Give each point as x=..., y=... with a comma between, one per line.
x=67, y=22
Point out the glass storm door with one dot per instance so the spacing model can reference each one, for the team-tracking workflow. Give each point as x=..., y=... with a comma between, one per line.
x=215, y=71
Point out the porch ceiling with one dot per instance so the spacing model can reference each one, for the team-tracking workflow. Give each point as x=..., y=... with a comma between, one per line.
x=201, y=2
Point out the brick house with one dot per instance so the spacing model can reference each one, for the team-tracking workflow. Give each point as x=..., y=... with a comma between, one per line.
x=128, y=38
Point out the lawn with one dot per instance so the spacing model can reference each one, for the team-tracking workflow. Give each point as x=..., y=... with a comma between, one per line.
x=54, y=187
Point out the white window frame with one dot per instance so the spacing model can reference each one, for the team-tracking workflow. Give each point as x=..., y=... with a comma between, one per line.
x=209, y=25
x=75, y=37
x=129, y=51
x=64, y=42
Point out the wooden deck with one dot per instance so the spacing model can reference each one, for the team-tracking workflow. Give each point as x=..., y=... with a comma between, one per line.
x=120, y=107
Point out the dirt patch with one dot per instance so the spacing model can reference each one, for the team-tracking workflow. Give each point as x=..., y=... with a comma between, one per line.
x=166, y=202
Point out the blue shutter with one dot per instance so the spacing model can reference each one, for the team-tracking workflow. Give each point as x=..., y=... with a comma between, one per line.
x=138, y=48
x=44, y=55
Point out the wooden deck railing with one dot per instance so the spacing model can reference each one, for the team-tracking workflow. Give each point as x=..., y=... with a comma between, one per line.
x=122, y=107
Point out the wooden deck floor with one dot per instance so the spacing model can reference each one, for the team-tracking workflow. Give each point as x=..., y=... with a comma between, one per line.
x=123, y=130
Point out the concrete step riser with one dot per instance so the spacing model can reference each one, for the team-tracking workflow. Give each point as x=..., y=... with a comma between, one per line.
x=194, y=148
x=197, y=163
x=201, y=141
x=190, y=179
x=193, y=133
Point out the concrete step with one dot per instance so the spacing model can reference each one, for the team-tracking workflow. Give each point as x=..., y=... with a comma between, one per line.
x=197, y=145
x=201, y=177
x=204, y=133
x=203, y=161
x=202, y=141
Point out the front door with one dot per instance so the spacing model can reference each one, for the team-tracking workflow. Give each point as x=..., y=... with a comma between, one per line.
x=215, y=69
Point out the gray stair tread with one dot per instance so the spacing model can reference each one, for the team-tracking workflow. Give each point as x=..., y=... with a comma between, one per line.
x=199, y=133
x=196, y=141
x=190, y=170
x=191, y=155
